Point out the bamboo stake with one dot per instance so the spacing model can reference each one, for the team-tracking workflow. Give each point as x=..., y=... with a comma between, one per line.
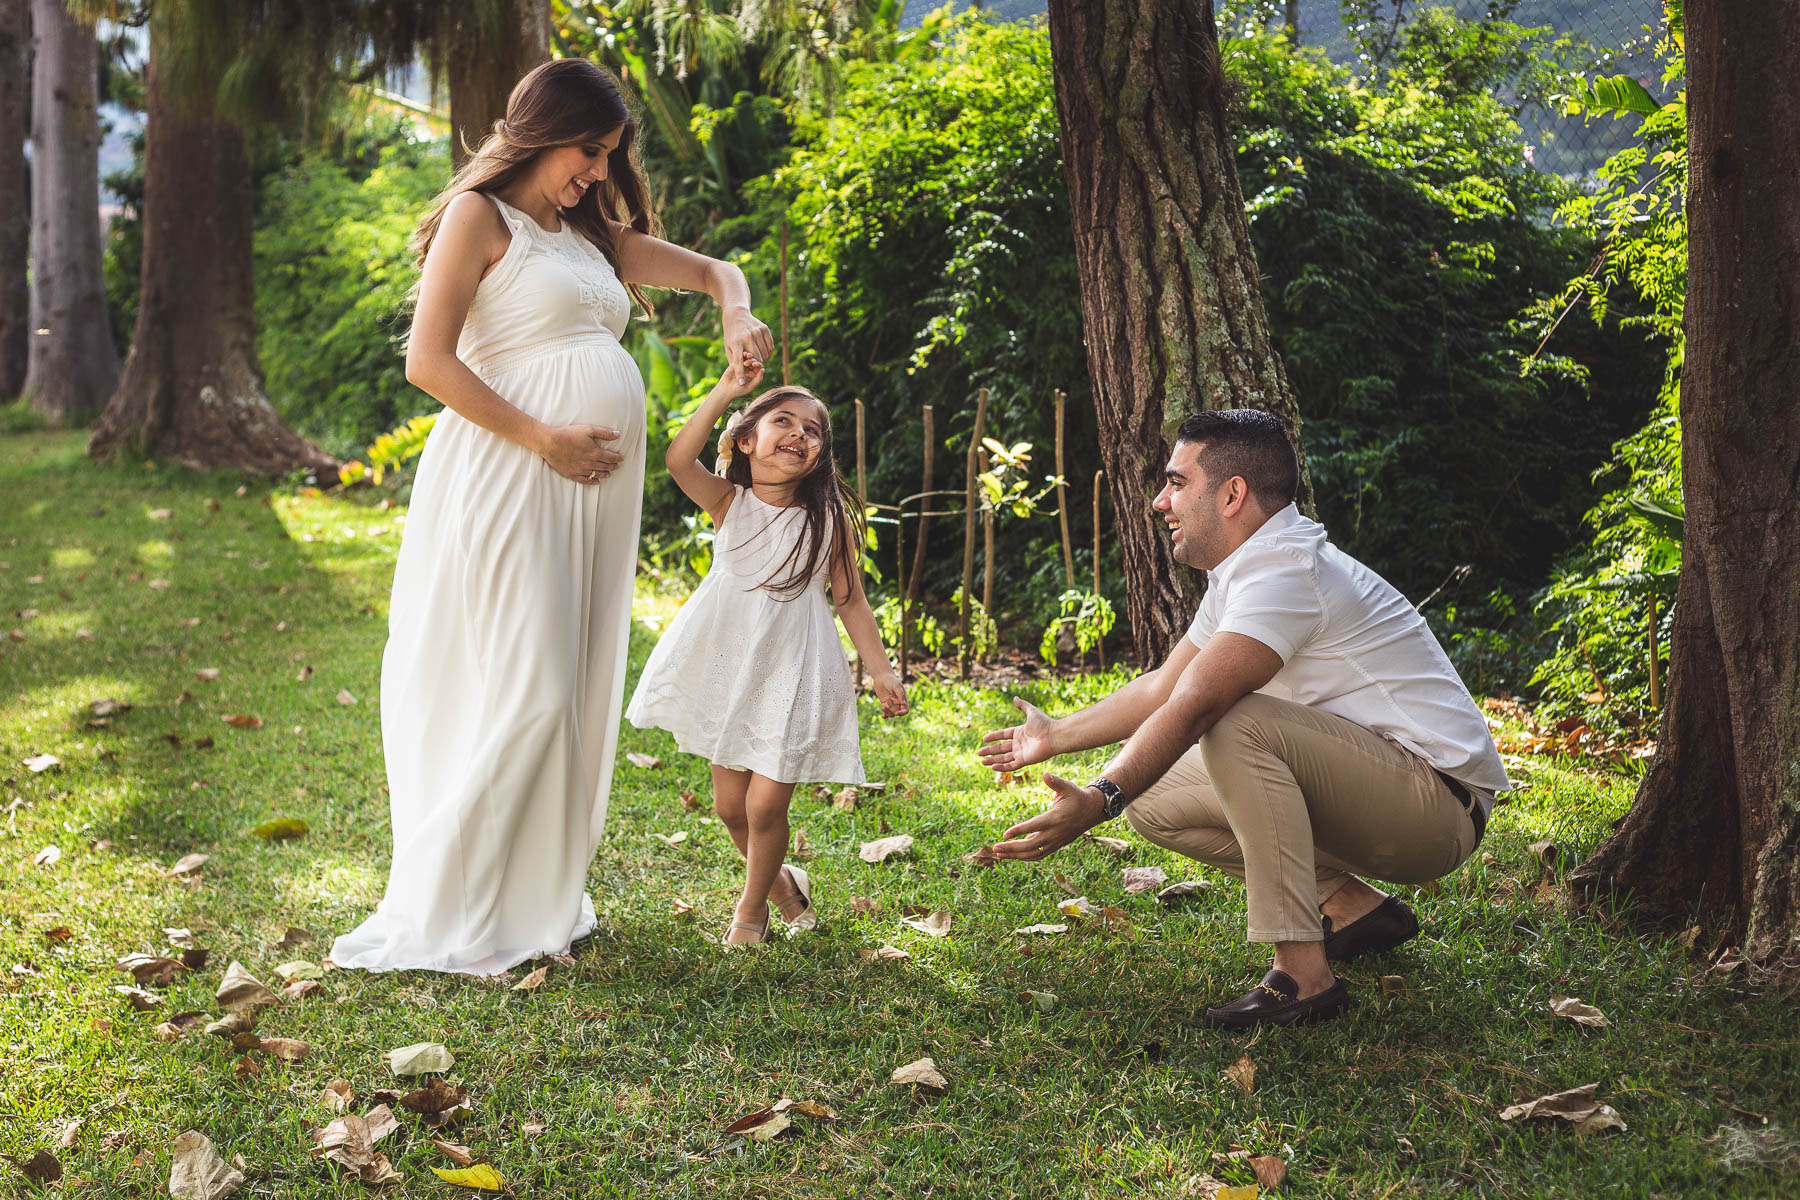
x=987, y=557
x=899, y=568
x=918, y=568
x=784, y=302
x=1062, y=497
x=1100, y=643
x=1655, y=673
x=971, y=484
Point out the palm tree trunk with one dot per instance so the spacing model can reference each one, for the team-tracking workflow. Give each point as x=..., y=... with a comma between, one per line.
x=483, y=68
x=193, y=387
x=15, y=202
x=71, y=362
x=1169, y=294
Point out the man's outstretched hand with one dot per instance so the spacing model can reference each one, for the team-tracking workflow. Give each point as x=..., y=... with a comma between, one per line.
x=1018, y=747
x=1072, y=812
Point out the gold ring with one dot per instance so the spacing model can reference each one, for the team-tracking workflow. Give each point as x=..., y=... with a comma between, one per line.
x=593, y=475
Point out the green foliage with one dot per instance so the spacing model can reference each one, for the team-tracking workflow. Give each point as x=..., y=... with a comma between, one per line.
x=390, y=452
x=334, y=278
x=1600, y=606
x=1087, y=617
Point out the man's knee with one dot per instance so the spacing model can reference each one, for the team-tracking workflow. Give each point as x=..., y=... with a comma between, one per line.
x=1244, y=725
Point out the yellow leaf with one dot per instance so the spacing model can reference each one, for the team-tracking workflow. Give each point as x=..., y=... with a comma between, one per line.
x=1247, y=1192
x=478, y=1176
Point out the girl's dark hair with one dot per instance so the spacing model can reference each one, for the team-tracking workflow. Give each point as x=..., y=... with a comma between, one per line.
x=564, y=102
x=832, y=506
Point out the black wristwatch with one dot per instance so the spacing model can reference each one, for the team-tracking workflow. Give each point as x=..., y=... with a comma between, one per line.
x=1116, y=800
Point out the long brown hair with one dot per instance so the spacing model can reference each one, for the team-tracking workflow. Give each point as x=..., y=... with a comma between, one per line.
x=832, y=507
x=564, y=102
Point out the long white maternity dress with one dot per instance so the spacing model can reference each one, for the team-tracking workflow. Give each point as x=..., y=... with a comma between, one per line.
x=505, y=664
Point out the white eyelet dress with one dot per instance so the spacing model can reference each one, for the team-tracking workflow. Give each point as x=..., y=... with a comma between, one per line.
x=504, y=671
x=746, y=679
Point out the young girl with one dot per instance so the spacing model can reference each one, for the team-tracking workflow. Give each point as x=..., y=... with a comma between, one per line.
x=751, y=673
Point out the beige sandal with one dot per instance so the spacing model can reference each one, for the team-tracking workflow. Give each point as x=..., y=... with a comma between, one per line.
x=761, y=932
x=808, y=917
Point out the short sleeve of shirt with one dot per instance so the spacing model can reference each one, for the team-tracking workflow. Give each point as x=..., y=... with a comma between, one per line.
x=1272, y=597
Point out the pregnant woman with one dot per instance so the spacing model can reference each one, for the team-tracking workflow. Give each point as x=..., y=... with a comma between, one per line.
x=505, y=663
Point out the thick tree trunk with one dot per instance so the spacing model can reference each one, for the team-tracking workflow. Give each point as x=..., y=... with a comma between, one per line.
x=1169, y=295
x=72, y=364
x=15, y=204
x=193, y=387
x=484, y=63
x=1717, y=820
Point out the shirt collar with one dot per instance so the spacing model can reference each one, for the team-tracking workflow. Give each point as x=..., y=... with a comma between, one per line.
x=1287, y=518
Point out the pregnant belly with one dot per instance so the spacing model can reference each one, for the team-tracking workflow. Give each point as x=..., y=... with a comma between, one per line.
x=596, y=383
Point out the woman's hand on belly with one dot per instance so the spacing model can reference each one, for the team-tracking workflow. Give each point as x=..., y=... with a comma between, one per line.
x=575, y=451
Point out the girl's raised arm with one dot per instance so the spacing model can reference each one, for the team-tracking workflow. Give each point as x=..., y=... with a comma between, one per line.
x=852, y=604
x=691, y=475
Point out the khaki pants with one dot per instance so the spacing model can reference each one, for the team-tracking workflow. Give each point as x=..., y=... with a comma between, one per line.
x=1293, y=801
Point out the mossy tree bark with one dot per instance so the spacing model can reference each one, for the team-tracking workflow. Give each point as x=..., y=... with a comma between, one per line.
x=1169, y=295
x=1716, y=823
x=490, y=48
x=15, y=204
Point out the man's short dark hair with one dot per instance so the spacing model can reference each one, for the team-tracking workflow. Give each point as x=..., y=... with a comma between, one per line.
x=1247, y=442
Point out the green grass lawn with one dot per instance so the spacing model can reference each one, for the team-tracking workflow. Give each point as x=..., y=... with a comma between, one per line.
x=619, y=1074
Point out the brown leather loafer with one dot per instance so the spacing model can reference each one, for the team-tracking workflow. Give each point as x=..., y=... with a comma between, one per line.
x=1390, y=923
x=1275, y=1001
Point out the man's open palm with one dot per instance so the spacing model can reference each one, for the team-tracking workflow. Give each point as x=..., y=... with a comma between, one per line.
x=1020, y=746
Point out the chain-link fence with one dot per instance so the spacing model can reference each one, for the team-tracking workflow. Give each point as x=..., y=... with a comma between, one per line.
x=1608, y=36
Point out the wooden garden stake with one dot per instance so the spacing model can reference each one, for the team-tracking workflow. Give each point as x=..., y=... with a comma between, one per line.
x=862, y=484
x=899, y=568
x=784, y=311
x=1062, y=496
x=918, y=568
x=1100, y=642
x=987, y=556
x=968, y=571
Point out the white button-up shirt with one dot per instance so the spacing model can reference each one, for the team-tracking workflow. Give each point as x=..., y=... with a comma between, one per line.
x=1350, y=644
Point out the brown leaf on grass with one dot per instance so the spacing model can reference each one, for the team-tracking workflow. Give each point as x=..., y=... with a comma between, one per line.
x=680, y=907
x=532, y=981
x=245, y=1041
x=300, y=968
x=1578, y=1106
x=937, y=923
x=71, y=1133
x=1576, y=1011
x=350, y=1142
x=286, y=1049
x=864, y=906
x=671, y=839
x=1112, y=915
x=49, y=856
x=232, y=1024
x=1144, y=879
x=1076, y=907
x=760, y=1125
x=42, y=1167
x=195, y=957
x=161, y=514
x=187, y=864
x=1187, y=887
x=435, y=1097
x=808, y=1108
x=207, y=674
x=881, y=849
x=1544, y=852
x=338, y=1095
x=140, y=999
x=168, y=1031
x=106, y=706
x=1392, y=985
x=37, y=764
x=1270, y=1169
x=241, y=990
x=245, y=1067
x=1243, y=1073
x=58, y=935
x=345, y=698
x=982, y=857
x=293, y=937
x=890, y=953
x=243, y=721
x=1044, y=928
x=922, y=1072
x=1062, y=881
x=198, y=1173
x=690, y=801
x=845, y=800
x=644, y=762
x=305, y=674
x=1430, y=887
x=1118, y=846
x=456, y=1152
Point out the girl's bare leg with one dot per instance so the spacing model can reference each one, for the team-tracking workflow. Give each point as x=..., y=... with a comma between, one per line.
x=766, y=812
x=728, y=803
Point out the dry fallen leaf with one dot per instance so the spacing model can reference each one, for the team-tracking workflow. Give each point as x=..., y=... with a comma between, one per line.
x=864, y=905
x=240, y=990
x=1243, y=1073
x=49, y=856
x=246, y=1067
x=106, y=706
x=1245, y=1192
x=1042, y=929
x=812, y=1108
x=845, y=801
x=338, y=1095
x=300, y=969
x=1187, y=887
x=198, y=1173
x=937, y=924
x=481, y=1176
x=1544, y=852
x=420, y=1058
x=435, y=1097
x=293, y=937
x=1576, y=1011
x=1144, y=879
x=680, y=907
x=1118, y=846
x=228, y=1027
x=345, y=698
x=672, y=839
x=71, y=1133
x=885, y=952
x=350, y=1141
x=921, y=1071
x=150, y=970
x=42, y=1167
x=760, y=1125
x=881, y=848
x=243, y=721
x=1270, y=1169
x=39, y=763
x=532, y=981
x=982, y=857
x=690, y=801
x=456, y=1152
x=646, y=762
x=207, y=674
x=1077, y=907
x=286, y=1049
x=1577, y=1106
x=1045, y=1001
x=140, y=999
x=1062, y=881
x=187, y=864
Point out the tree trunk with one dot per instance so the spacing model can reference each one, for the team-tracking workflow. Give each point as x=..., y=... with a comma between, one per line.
x=1169, y=295
x=15, y=204
x=484, y=63
x=71, y=362
x=1716, y=823
x=193, y=387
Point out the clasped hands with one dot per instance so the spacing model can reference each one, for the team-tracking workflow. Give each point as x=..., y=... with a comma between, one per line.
x=1073, y=810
